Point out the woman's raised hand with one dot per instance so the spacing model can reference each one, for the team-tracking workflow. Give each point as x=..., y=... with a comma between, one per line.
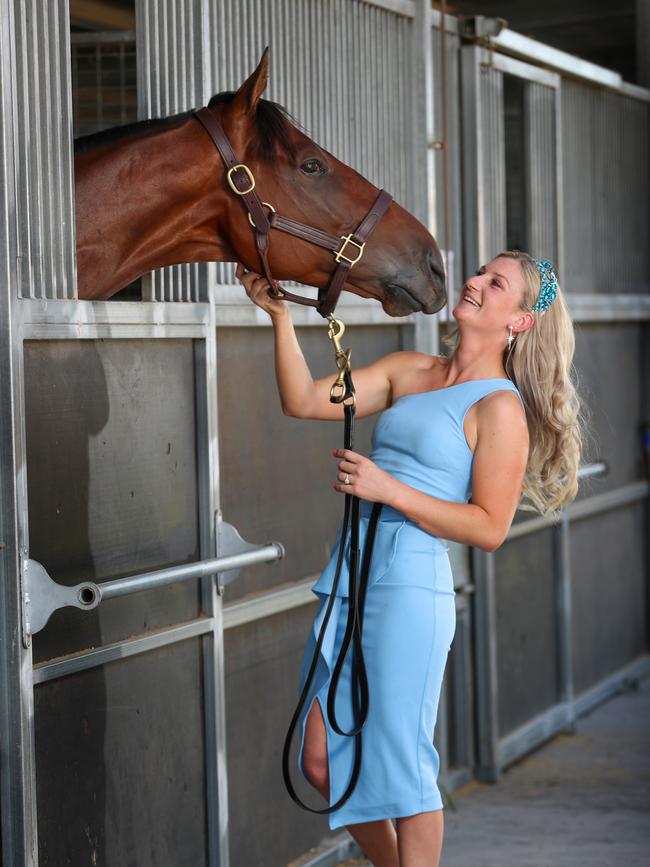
x=256, y=286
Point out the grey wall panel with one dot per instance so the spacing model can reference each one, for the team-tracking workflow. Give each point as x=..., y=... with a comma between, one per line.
x=541, y=158
x=525, y=629
x=492, y=157
x=608, y=362
x=44, y=177
x=120, y=777
x=609, y=593
x=277, y=472
x=111, y=471
x=262, y=665
x=606, y=139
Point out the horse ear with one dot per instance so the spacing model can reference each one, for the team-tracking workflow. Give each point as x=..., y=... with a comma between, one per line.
x=246, y=98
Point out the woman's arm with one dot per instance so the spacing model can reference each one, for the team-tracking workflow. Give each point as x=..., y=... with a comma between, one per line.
x=499, y=465
x=300, y=395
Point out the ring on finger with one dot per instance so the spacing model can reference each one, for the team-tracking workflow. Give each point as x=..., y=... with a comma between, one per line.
x=346, y=480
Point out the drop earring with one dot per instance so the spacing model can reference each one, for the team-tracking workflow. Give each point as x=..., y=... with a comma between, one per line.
x=511, y=338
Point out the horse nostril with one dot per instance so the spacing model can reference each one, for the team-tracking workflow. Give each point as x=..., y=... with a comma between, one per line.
x=436, y=267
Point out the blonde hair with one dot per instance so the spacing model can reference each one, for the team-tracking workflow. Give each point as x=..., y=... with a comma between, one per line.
x=540, y=364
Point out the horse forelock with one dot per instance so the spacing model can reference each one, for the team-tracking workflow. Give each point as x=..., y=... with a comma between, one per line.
x=275, y=127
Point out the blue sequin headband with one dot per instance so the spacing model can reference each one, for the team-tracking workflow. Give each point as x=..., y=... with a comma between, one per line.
x=548, y=292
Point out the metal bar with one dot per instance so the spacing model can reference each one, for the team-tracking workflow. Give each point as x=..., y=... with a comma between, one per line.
x=623, y=496
x=399, y=7
x=525, y=70
x=214, y=690
x=18, y=815
x=66, y=319
x=534, y=732
x=562, y=716
x=563, y=613
x=77, y=662
x=487, y=687
x=294, y=595
x=101, y=36
x=538, y=52
x=201, y=569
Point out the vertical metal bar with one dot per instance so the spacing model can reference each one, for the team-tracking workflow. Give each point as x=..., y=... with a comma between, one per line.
x=485, y=633
x=211, y=604
x=18, y=822
x=424, y=199
x=564, y=648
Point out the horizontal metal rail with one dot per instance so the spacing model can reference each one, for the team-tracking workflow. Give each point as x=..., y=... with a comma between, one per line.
x=286, y=598
x=42, y=596
x=202, y=568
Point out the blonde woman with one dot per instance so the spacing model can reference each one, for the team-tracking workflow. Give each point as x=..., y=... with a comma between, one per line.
x=460, y=441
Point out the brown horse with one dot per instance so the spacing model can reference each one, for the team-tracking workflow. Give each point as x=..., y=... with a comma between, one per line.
x=154, y=193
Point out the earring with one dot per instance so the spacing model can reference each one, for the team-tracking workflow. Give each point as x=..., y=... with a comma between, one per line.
x=511, y=338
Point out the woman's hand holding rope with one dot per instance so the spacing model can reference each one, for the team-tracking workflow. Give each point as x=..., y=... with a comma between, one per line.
x=364, y=478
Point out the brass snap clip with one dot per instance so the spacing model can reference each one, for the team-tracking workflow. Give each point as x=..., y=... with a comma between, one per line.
x=339, y=392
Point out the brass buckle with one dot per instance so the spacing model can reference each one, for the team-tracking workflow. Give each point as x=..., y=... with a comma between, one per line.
x=250, y=219
x=339, y=254
x=248, y=174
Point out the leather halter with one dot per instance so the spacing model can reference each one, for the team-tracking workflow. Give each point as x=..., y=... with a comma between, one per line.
x=347, y=249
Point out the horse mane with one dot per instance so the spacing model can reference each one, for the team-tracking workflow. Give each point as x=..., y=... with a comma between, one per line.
x=272, y=121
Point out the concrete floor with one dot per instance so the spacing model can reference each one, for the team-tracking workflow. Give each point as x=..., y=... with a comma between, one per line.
x=582, y=798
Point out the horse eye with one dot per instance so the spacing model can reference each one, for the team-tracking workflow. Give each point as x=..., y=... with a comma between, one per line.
x=313, y=167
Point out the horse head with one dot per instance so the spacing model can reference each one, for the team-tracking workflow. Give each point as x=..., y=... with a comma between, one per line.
x=154, y=193
x=401, y=265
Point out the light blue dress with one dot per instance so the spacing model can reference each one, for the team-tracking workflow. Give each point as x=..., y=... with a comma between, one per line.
x=409, y=616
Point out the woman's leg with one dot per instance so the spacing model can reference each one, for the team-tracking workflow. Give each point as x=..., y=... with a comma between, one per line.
x=419, y=839
x=377, y=839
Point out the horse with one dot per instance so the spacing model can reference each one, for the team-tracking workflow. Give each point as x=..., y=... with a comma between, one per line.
x=154, y=193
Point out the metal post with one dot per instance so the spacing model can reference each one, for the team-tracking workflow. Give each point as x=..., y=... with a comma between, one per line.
x=487, y=687
x=17, y=779
x=564, y=646
x=423, y=157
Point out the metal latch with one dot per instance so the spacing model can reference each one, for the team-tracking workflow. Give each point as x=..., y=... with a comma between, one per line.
x=42, y=596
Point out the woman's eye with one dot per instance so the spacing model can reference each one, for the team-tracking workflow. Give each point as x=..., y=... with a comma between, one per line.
x=313, y=167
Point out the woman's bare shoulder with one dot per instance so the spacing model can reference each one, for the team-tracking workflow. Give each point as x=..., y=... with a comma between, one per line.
x=409, y=370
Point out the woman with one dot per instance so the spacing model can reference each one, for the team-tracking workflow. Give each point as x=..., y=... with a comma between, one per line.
x=458, y=443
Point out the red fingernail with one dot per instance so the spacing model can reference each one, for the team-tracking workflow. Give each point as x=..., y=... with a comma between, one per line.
x=334, y=486
x=334, y=452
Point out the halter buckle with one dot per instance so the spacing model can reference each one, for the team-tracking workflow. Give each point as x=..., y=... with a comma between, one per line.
x=266, y=204
x=340, y=254
x=249, y=175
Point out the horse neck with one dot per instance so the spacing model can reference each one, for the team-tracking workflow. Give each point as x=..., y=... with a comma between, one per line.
x=151, y=200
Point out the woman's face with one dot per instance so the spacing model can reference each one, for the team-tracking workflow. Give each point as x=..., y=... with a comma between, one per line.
x=490, y=301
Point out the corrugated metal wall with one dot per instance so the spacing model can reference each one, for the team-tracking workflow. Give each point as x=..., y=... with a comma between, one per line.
x=606, y=190
x=345, y=71
x=43, y=115
x=539, y=114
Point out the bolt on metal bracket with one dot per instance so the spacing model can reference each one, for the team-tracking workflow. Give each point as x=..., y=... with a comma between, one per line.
x=42, y=596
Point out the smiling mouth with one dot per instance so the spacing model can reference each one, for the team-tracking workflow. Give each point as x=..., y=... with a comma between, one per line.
x=470, y=300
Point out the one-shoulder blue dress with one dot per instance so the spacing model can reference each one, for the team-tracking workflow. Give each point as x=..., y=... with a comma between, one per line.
x=409, y=615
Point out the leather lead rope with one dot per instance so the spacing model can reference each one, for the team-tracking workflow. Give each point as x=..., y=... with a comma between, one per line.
x=341, y=392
